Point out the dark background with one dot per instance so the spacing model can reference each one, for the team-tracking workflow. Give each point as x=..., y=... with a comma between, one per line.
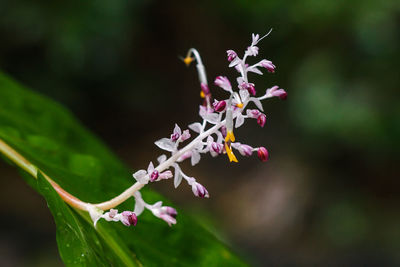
x=330, y=192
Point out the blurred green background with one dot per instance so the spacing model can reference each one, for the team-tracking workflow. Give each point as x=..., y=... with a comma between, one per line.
x=330, y=192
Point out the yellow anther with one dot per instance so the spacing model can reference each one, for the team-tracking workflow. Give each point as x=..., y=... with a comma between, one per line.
x=187, y=60
x=230, y=137
x=240, y=105
x=230, y=154
x=202, y=95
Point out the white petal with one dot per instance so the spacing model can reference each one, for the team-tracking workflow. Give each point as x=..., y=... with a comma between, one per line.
x=195, y=157
x=257, y=102
x=178, y=176
x=212, y=118
x=150, y=168
x=234, y=62
x=255, y=70
x=165, y=144
x=162, y=158
x=239, y=120
x=244, y=95
x=140, y=176
x=177, y=129
x=196, y=127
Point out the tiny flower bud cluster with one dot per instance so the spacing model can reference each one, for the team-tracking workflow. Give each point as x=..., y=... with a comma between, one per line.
x=213, y=135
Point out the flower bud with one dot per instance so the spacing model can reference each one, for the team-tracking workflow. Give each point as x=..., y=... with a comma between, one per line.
x=262, y=154
x=128, y=218
x=219, y=106
x=245, y=150
x=185, y=135
x=166, y=175
x=175, y=136
x=261, y=120
x=169, y=211
x=251, y=89
x=199, y=190
x=154, y=175
x=224, y=83
x=231, y=55
x=268, y=65
x=253, y=113
x=217, y=148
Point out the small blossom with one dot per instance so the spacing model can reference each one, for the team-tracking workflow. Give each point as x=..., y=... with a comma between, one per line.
x=219, y=106
x=167, y=214
x=224, y=83
x=128, y=218
x=244, y=150
x=268, y=65
x=252, y=50
x=154, y=176
x=231, y=55
x=253, y=113
x=165, y=175
x=261, y=120
x=262, y=154
x=199, y=190
x=185, y=135
x=176, y=134
x=275, y=91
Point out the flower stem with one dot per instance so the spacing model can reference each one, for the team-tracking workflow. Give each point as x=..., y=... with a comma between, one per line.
x=75, y=202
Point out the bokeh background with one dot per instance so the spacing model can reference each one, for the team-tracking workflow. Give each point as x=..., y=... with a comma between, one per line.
x=329, y=194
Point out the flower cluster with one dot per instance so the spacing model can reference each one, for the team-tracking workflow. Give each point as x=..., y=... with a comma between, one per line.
x=213, y=135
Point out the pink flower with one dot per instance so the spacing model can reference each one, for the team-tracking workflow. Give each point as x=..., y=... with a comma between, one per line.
x=231, y=55
x=261, y=120
x=268, y=65
x=128, y=218
x=262, y=154
x=199, y=190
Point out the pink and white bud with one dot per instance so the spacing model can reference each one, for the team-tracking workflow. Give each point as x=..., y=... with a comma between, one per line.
x=245, y=150
x=261, y=120
x=199, y=190
x=268, y=65
x=224, y=83
x=231, y=55
x=169, y=211
x=262, y=154
x=154, y=175
x=185, y=135
x=165, y=175
x=275, y=91
x=176, y=134
x=253, y=113
x=128, y=218
x=219, y=106
x=216, y=149
x=249, y=87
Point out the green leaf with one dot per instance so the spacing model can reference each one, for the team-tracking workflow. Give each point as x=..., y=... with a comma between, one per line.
x=52, y=140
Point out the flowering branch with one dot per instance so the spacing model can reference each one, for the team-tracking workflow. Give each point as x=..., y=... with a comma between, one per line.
x=214, y=136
